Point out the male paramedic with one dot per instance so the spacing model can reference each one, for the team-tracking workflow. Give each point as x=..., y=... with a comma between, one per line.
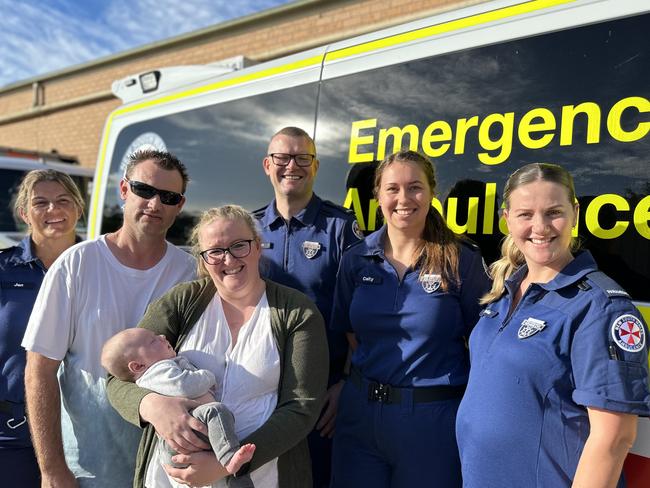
x=303, y=239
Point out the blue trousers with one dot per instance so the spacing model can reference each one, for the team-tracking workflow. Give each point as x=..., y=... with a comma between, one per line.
x=405, y=445
x=17, y=459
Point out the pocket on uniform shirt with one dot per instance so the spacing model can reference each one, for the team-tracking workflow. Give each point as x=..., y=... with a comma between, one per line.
x=626, y=380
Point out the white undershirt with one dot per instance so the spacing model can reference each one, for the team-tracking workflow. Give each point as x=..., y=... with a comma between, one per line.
x=247, y=378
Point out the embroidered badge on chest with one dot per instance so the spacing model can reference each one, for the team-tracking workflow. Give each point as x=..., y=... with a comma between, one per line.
x=530, y=327
x=310, y=249
x=430, y=282
x=628, y=333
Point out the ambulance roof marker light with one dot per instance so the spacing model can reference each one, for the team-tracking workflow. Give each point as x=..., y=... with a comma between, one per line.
x=147, y=83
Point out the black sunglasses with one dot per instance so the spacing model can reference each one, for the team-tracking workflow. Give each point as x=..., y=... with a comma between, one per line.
x=148, y=192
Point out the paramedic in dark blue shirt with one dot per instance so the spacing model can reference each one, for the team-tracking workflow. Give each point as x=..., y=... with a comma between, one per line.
x=303, y=240
x=559, y=358
x=407, y=297
x=50, y=204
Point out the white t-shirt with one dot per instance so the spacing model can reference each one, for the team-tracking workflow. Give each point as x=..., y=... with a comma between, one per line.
x=87, y=296
x=247, y=378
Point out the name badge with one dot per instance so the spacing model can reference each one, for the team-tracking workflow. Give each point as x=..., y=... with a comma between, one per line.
x=486, y=312
x=530, y=327
x=368, y=280
x=18, y=285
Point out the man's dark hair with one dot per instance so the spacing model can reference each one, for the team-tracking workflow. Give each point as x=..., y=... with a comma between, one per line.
x=162, y=159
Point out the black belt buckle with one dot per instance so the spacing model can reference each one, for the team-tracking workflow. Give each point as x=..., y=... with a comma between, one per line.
x=378, y=392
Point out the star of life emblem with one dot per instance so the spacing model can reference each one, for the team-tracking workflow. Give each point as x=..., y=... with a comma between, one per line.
x=430, y=282
x=310, y=249
x=530, y=327
x=628, y=333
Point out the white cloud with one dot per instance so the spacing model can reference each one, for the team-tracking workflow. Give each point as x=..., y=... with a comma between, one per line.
x=43, y=36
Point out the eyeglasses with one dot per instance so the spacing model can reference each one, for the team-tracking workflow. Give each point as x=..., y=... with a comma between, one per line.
x=217, y=255
x=283, y=159
x=148, y=192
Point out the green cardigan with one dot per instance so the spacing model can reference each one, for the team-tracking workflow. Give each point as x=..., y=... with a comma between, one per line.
x=299, y=332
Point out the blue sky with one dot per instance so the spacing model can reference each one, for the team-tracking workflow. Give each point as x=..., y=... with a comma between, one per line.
x=47, y=35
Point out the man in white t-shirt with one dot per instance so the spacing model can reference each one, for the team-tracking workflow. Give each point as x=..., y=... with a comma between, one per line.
x=94, y=290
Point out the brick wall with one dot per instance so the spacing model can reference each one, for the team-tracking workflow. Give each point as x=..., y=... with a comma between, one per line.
x=76, y=129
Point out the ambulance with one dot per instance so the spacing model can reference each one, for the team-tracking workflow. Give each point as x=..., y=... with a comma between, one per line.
x=481, y=90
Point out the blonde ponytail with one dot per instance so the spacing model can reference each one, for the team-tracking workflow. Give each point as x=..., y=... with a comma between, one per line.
x=502, y=269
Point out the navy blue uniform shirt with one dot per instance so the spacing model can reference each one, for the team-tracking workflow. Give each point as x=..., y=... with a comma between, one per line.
x=21, y=274
x=305, y=253
x=574, y=342
x=410, y=332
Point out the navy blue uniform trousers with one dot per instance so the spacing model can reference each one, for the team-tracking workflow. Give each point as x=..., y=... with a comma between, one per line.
x=401, y=445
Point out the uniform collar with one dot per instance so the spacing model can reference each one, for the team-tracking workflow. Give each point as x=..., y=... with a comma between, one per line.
x=23, y=252
x=307, y=216
x=375, y=242
x=582, y=264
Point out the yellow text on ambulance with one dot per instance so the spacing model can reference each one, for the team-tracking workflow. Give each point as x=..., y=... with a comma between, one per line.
x=535, y=129
x=637, y=216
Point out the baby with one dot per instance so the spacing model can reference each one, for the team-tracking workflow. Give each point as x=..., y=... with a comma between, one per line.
x=140, y=356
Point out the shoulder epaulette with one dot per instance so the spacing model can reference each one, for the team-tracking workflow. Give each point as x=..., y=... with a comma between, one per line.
x=335, y=208
x=466, y=241
x=259, y=213
x=355, y=244
x=605, y=283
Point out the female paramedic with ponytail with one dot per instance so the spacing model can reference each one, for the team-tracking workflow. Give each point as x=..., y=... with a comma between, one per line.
x=408, y=297
x=559, y=358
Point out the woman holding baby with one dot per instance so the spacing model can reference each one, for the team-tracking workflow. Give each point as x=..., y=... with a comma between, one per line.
x=264, y=343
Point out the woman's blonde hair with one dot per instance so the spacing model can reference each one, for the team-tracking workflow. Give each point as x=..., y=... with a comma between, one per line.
x=227, y=212
x=511, y=257
x=439, y=251
x=33, y=178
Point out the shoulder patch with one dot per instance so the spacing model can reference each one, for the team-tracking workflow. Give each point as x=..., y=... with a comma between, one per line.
x=357, y=230
x=628, y=333
x=608, y=285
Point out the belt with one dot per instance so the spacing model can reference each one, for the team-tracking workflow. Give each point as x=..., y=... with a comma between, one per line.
x=381, y=393
x=6, y=407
